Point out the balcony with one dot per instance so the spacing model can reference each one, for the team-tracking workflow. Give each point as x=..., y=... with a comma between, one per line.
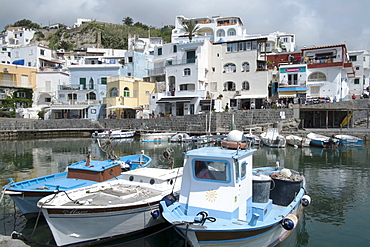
x=180, y=61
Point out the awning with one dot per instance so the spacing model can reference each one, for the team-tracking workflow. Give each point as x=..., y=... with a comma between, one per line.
x=175, y=99
x=52, y=61
x=252, y=96
x=68, y=107
x=125, y=107
x=292, y=89
x=18, y=62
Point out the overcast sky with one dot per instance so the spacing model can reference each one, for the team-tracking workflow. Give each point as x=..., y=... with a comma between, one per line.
x=314, y=22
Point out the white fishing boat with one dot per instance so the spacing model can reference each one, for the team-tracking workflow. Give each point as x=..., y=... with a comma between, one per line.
x=298, y=141
x=156, y=136
x=110, y=209
x=113, y=134
x=273, y=139
x=225, y=202
x=322, y=140
x=181, y=137
x=348, y=140
x=255, y=140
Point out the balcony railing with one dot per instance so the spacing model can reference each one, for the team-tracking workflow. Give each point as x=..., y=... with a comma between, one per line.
x=180, y=61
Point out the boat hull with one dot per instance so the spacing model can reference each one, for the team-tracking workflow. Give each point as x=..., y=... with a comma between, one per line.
x=156, y=137
x=114, y=134
x=269, y=236
x=66, y=227
x=348, y=140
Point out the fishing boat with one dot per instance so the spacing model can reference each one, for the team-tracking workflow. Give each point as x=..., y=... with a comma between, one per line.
x=255, y=140
x=114, y=134
x=298, y=141
x=181, y=137
x=322, y=140
x=87, y=172
x=236, y=140
x=110, y=209
x=273, y=139
x=348, y=140
x=156, y=136
x=224, y=201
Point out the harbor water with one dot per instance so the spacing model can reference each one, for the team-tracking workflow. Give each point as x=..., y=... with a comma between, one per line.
x=337, y=180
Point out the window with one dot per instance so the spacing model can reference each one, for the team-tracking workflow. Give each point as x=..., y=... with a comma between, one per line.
x=245, y=67
x=232, y=47
x=220, y=33
x=231, y=32
x=83, y=82
x=237, y=174
x=159, y=51
x=244, y=170
x=130, y=59
x=91, y=96
x=229, y=68
x=104, y=80
x=317, y=76
x=42, y=52
x=356, y=81
x=186, y=71
x=229, y=86
x=113, y=92
x=353, y=58
x=126, y=92
x=245, y=85
x=211, y=170
x=357, y=67
x=72, y=96
x=47, y=100
x=292, y=79
x=187, y=87
x=91, y=83
x=175, y=48
x=21, y=95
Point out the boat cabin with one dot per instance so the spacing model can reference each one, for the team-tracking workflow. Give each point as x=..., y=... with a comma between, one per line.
x=218, y=181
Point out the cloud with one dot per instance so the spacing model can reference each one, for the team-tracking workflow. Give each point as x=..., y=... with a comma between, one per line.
x=314, y=22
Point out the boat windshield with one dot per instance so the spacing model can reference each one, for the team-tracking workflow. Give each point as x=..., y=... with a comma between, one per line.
x=211, y=170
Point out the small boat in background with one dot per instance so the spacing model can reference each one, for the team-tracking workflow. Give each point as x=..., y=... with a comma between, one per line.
x=322, y=140
x=181, y=137
x=255, y=140
x=348, y=140
x=298, y=141
x=273, y=139
x=224, y=201
x=113, y=134
x=156, y=136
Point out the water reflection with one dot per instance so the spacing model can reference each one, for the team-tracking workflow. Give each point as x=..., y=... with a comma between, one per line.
x=337, y=181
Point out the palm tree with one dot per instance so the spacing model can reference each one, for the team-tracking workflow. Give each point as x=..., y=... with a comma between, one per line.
x=191, y=28
x=128, y=21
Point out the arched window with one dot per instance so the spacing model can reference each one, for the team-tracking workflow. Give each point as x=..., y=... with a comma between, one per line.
x=229, y=86
x=317, y=76
x=91, y=96
x=91, y=83
x=245, y=85
x=126, y=92
x=187, y=72
x=229, y=68
x=245, y=67
x=221, y=33
x=231, y=32
x=113, y=92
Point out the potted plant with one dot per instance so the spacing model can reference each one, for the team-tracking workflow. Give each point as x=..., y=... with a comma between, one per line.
x=220, y=96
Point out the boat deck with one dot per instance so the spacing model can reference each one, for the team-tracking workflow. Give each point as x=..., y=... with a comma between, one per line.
x=117, y=195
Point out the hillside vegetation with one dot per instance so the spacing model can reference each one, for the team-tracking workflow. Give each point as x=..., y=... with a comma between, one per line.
x=94, y=34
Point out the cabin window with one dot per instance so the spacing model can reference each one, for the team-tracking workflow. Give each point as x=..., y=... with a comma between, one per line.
x=236, y=166
x=211, y=170
x=244, y=170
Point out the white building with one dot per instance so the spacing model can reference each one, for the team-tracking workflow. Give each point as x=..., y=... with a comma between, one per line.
x=361, y=63
x=16, y=36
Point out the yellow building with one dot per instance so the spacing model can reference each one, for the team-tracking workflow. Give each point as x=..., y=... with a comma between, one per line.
x=16, y=82
x=127, y=97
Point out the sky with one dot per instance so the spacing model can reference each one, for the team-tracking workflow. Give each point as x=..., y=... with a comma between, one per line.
x=314, y=22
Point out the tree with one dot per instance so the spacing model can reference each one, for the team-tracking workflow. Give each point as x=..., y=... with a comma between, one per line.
x=191, y=28
x=128, y=21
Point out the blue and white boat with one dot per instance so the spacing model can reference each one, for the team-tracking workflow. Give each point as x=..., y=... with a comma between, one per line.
x=322, y=140
x=27, y=193
x=113, y=134
x=348, y=140
x=225, y=202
